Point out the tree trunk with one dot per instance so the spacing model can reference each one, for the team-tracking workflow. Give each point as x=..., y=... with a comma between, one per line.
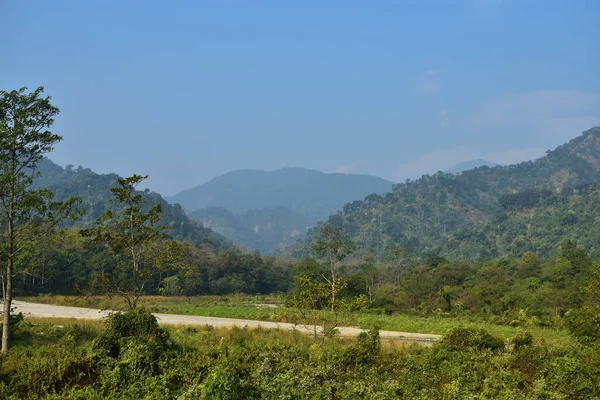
x=333, y=296
x=8, y=292
x=333, y=276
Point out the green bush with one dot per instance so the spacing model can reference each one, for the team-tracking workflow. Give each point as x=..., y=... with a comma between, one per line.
x=462, y=338
x=584, y=325
x=365, y=350
x=14, y=321
x=136, y=325
x=521, y=340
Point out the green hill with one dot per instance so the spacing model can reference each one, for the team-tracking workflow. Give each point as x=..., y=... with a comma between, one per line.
x=94, y=189
x=461, y=216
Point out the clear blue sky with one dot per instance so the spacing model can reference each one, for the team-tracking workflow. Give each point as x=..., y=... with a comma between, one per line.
x=186, y=90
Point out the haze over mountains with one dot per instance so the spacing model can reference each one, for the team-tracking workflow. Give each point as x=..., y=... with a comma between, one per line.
x=467, y=165
x=485, y=213
x=268, y=210
x=308, y=192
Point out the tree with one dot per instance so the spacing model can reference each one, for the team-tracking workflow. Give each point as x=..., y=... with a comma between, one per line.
x=25, y=213
x=140, y=247
x=333, y=246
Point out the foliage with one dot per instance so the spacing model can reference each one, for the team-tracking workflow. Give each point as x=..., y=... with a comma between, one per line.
x=136, y=241
x=484, y=213
x=138, y=326
x=584, y=323
x=52, y=362
x=479, y=339
x=14, y=322
x=65, y=263
x=25, y=213
x=333, y=246
x=94, y=189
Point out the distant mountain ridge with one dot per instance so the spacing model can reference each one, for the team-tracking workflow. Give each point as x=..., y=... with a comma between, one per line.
x=467, y=165
x=308, y=192
x=448, y=214
x=265, y=210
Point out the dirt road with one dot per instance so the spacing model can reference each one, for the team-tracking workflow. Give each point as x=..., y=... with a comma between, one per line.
x=52, y=311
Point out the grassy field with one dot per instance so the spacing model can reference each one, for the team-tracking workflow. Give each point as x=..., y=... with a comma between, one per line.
x=269, y=308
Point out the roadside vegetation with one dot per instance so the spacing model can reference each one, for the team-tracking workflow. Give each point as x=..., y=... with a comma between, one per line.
x=130, y=356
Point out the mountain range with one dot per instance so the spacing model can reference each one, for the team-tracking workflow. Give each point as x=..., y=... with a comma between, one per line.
x=267, y=211
x=484, y=212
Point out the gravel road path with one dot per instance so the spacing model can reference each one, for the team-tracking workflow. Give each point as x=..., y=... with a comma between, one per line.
x=52, y=311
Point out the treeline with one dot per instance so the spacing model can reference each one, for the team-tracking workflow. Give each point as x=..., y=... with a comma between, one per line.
x=63, y=262
x=516, y=291
x=521, y=291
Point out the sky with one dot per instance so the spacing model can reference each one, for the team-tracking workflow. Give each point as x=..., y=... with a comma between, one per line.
x=184, y=91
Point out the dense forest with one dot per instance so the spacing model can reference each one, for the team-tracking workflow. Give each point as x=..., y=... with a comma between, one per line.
x=485, y=212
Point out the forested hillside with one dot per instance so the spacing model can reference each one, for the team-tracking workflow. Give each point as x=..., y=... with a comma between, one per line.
x=94, y=191
x=266, y=211
x=484, y=212
x=266, y=230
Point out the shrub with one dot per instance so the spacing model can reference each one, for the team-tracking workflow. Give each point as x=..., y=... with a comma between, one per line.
x=480, y=339
x=14, y=322
x=137, y=325
x=584, y=325
x=365, y=350
x=521, y=340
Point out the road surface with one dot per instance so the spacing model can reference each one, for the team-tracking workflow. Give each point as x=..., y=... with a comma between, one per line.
x=53, y=311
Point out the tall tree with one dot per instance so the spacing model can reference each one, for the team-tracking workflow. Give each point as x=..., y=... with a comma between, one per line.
x=25, y=119
x=138, y=243
x=333, y=246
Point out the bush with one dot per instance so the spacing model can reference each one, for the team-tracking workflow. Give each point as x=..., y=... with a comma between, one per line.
x=480, y=339
x=135, y=325
x=522, y=340
x=14, y=321
x=365, y=350
x=584, y=325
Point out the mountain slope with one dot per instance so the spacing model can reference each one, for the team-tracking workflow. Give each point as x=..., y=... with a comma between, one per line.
x=94, y=189
x=267, y=230
x=423, y=215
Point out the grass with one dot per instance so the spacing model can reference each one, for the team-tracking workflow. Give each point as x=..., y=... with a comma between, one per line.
x=253, y=307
